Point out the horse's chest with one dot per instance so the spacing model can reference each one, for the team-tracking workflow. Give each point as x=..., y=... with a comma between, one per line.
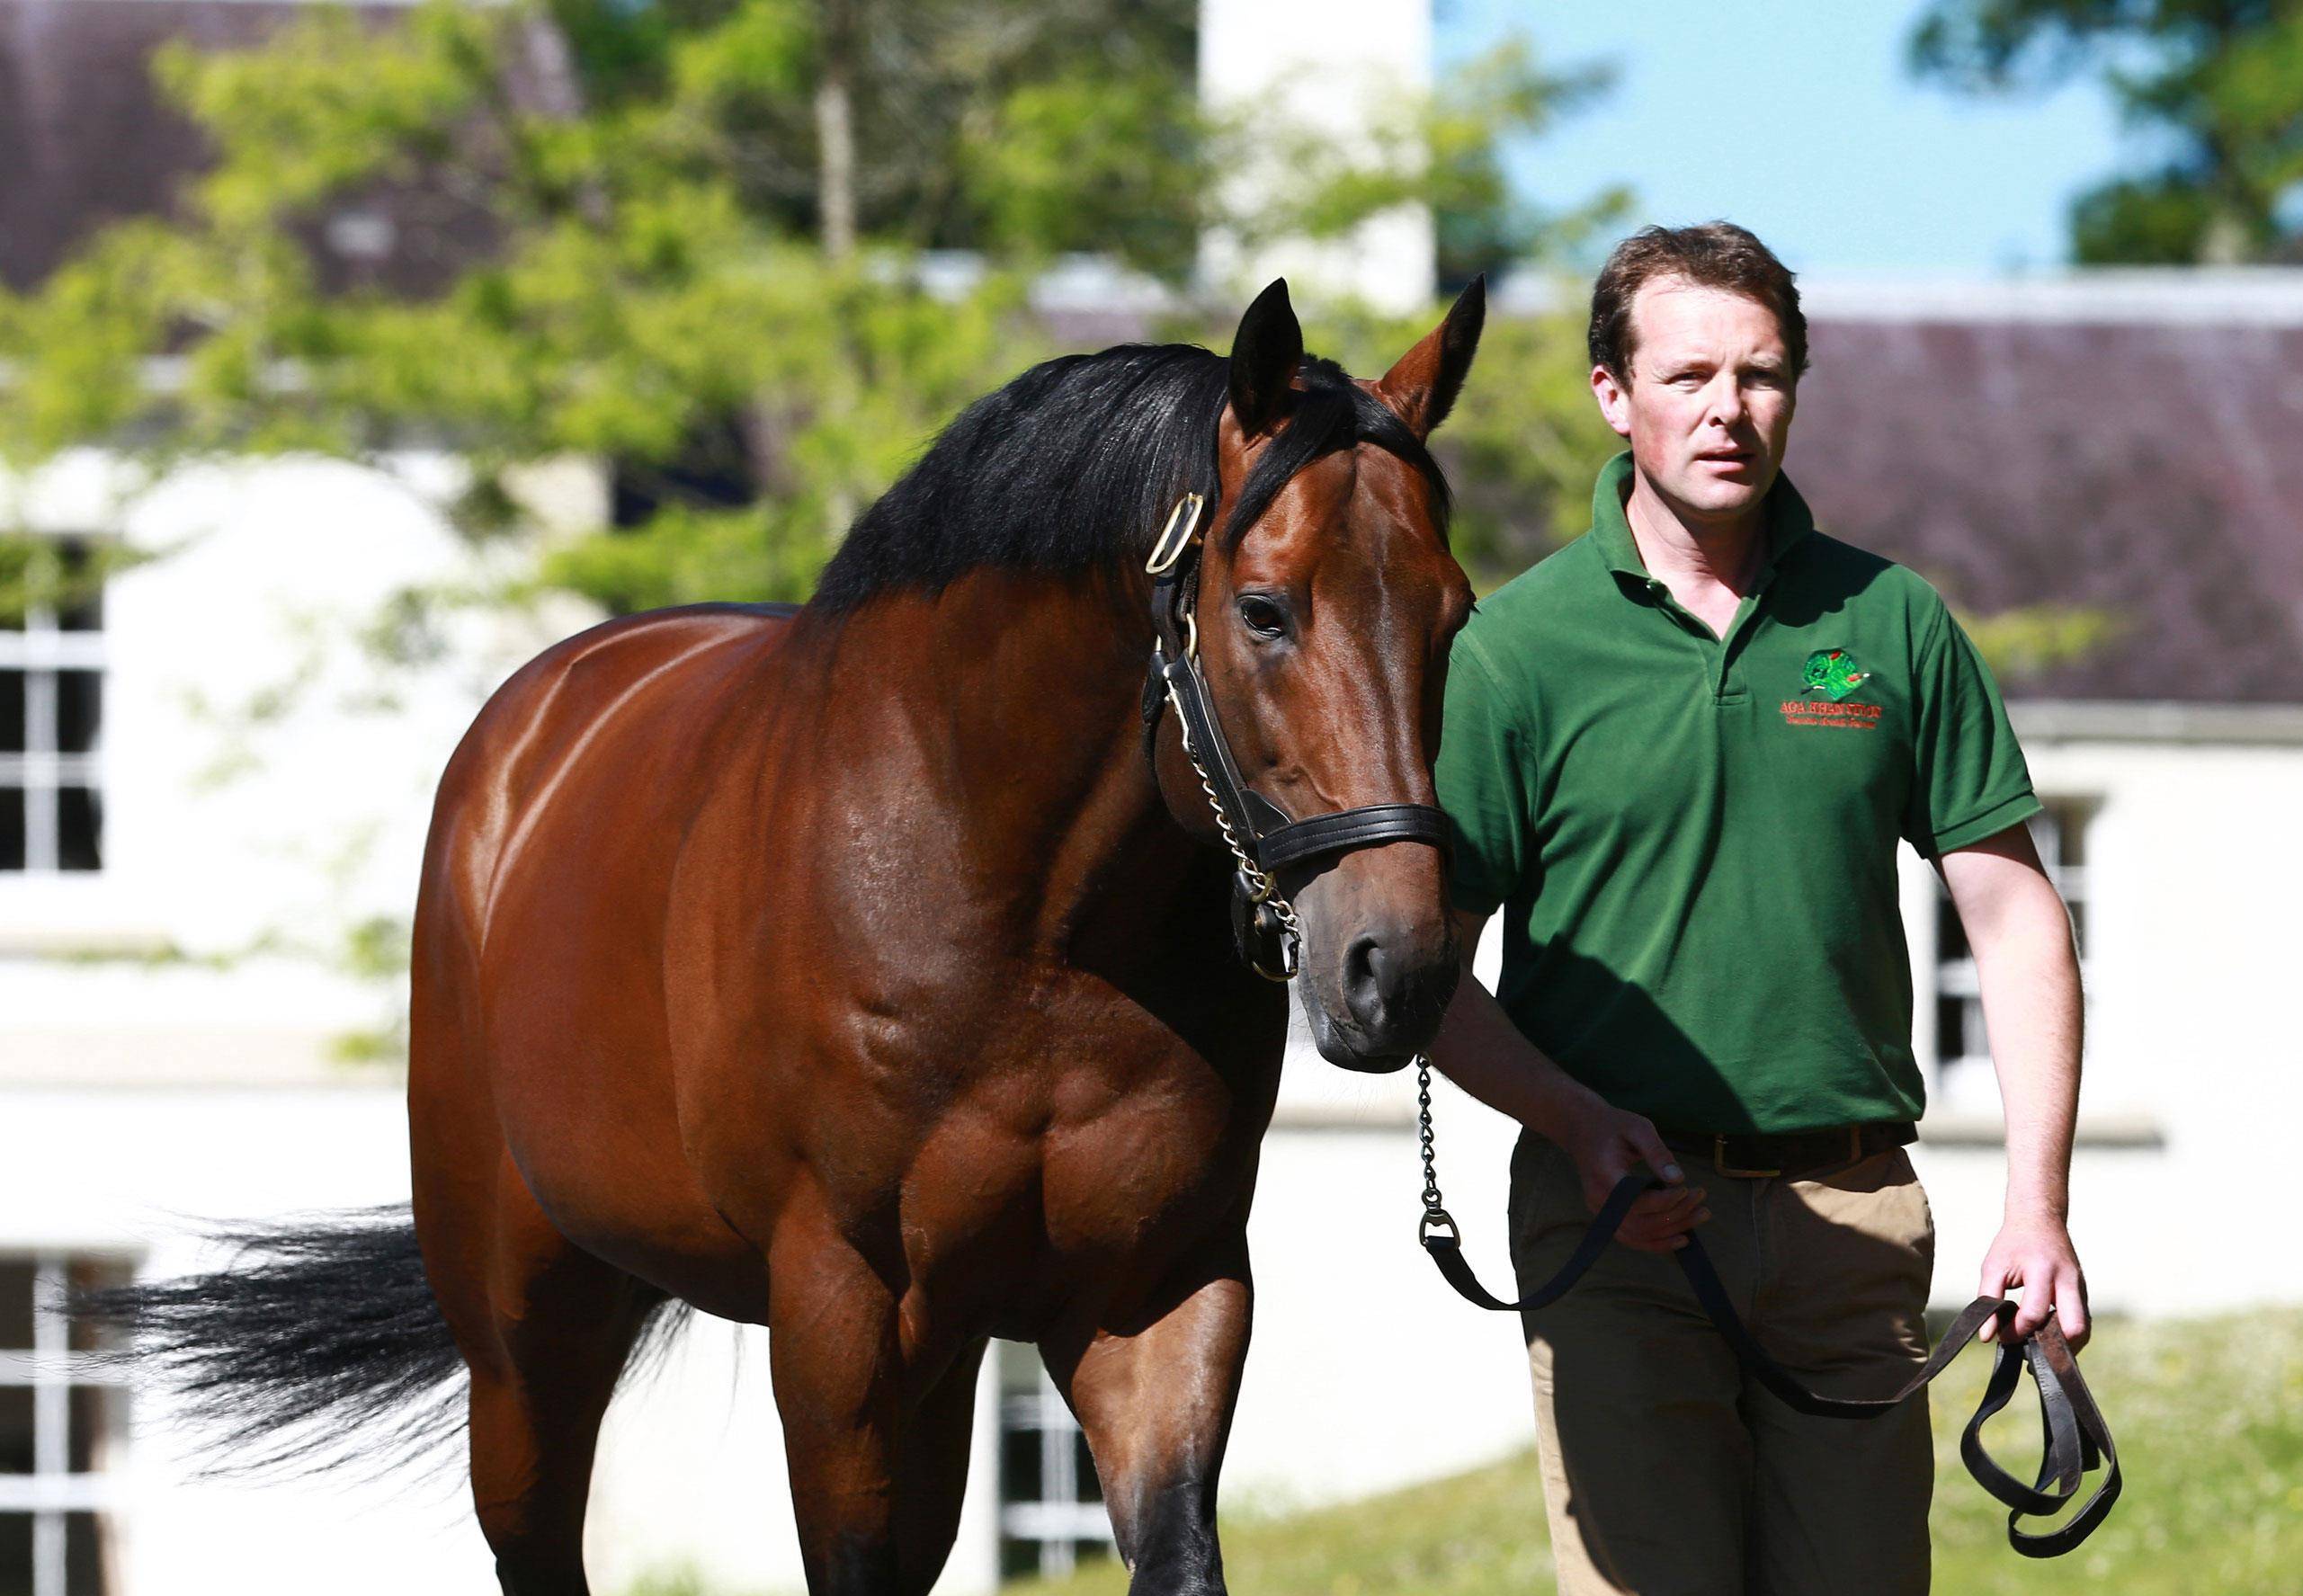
x=1008, y=1224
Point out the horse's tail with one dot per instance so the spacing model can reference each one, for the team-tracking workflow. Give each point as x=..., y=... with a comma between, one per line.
x=319, y=1344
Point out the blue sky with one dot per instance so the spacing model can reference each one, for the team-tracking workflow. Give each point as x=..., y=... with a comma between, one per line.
x=1798, y=118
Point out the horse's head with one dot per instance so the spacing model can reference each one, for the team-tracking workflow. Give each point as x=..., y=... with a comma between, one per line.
x=1327, y=602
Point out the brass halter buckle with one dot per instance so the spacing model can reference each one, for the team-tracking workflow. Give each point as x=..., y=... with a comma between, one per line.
x=1175, y=537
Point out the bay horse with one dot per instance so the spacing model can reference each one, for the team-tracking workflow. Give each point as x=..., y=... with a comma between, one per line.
x=867, y=971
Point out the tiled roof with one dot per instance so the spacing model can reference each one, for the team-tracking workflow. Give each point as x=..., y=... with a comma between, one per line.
x=2144, y=466
x=85, y=138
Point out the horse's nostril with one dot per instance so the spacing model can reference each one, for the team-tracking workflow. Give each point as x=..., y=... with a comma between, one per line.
x=1366, y=966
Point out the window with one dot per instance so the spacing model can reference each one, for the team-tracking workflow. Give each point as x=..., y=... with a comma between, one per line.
x=51, y=705
x=62, y=1419
x=1051, y=1506
x=1963, y=1074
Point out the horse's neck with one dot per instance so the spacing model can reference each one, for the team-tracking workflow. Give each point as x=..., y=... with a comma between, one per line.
x=1030, y=721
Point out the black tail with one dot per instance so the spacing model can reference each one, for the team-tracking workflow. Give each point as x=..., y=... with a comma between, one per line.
x=318, y=1346
x=328, y=1322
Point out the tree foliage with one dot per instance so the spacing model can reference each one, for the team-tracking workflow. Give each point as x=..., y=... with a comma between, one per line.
x=658, y=285
x=2218, y=86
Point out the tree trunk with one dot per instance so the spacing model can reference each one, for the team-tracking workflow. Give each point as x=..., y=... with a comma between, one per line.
x=836, y=130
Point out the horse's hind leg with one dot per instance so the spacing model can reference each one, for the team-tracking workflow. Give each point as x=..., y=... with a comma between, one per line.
x=546, y=1337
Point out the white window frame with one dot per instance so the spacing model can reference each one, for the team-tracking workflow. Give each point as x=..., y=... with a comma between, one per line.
x=41, y=649
x=1059, y=1517
x=2062, y=817
x=53, y=1371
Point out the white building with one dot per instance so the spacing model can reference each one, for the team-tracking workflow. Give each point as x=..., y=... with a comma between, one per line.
x=205, y=795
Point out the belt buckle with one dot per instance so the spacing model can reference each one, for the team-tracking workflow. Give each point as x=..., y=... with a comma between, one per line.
x=1720, y=1161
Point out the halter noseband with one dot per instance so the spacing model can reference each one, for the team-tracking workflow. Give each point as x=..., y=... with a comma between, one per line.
x=1262, y=838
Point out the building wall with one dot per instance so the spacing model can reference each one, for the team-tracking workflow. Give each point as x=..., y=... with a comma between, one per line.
x=1335, y=68
x=2193, y=881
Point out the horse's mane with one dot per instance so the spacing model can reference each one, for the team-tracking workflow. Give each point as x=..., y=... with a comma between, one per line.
x=1075, y=465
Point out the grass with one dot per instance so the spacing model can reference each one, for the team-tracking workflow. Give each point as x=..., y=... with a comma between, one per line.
x=2208, y=1414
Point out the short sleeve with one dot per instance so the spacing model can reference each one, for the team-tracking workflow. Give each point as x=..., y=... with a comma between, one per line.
x=1971, y=781
x=1482, y=777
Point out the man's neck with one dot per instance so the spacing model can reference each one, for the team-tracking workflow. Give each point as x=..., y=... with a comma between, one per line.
x=1678, y=549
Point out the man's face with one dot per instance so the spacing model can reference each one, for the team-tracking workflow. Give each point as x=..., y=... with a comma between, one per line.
x=1707, y=405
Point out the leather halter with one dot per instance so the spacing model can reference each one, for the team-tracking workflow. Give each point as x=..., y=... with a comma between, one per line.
x=1264, y=838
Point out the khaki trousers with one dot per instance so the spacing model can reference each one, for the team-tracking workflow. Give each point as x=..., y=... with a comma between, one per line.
x=1665, y=1471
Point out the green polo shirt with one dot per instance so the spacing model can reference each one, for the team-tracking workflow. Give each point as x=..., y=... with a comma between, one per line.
x=1692, y=840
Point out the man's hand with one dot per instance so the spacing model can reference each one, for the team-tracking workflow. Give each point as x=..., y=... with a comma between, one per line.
x=1606, y=1144
x=2035, y=1252
x=1482, y=1051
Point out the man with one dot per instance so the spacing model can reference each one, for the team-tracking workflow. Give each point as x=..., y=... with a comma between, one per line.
x=1679, y=756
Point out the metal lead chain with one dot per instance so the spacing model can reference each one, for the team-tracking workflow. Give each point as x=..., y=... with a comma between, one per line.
x=1435, y=1214
x=1267, y=891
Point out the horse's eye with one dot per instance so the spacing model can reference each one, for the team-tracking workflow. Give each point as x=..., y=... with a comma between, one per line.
x=1263, y=616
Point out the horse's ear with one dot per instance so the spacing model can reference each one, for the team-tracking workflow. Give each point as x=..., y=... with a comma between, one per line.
x=1264, y=354
x=1422, y=388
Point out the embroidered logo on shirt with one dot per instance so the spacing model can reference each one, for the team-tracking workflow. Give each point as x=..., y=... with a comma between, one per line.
x=1832, y=671
x=1831, y=674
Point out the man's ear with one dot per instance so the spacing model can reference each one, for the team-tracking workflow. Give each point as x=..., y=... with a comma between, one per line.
x=1422, y=388
x=1264, y=354
x=1614, y=402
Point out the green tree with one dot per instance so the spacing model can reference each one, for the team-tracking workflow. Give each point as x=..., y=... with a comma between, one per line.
x=707, y=273
x=2217, y=84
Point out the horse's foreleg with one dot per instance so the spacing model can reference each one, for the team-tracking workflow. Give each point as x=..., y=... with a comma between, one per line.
x=932, y=1472
x=835, y=1355
x=1155, y=1399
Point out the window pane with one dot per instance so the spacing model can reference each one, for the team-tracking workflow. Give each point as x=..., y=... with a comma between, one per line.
x=12, y=711
x=88, y=1274
x=1951, y=936
x=79, y=828
x=15, y=1304
x=12, y=837
x=2074, y=825
x=79, y=710
x=1090, y=1484
x=15, y=1554
x=1019, y=1465
x=83, y=1556
x=1019, y=1559
x=99, y=1426
x=1950, y=1028
x=15, y=1430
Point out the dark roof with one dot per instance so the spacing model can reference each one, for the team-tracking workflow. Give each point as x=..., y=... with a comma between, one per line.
x=2147, y=467
x=85, y=138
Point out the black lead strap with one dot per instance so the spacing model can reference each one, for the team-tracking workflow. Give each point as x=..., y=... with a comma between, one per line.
x=2077, y=1440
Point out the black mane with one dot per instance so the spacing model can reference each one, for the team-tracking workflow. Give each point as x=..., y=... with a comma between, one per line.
x=1075, y=465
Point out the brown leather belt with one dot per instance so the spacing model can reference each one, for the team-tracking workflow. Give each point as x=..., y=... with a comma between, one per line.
x=1794, y=1156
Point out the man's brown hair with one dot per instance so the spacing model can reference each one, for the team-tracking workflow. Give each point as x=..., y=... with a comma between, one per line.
x=1711, y=255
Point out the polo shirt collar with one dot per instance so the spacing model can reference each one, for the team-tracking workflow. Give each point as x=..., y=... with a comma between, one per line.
x=1788, y=520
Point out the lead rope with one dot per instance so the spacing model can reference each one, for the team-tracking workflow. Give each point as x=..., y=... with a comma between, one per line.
x=2077, y=1439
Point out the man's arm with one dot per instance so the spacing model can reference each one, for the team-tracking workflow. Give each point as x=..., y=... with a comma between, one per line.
x=2021, y=936
x=1482, y=1051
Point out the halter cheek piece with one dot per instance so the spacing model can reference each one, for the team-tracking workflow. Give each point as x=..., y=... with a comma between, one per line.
x=1264, y=840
